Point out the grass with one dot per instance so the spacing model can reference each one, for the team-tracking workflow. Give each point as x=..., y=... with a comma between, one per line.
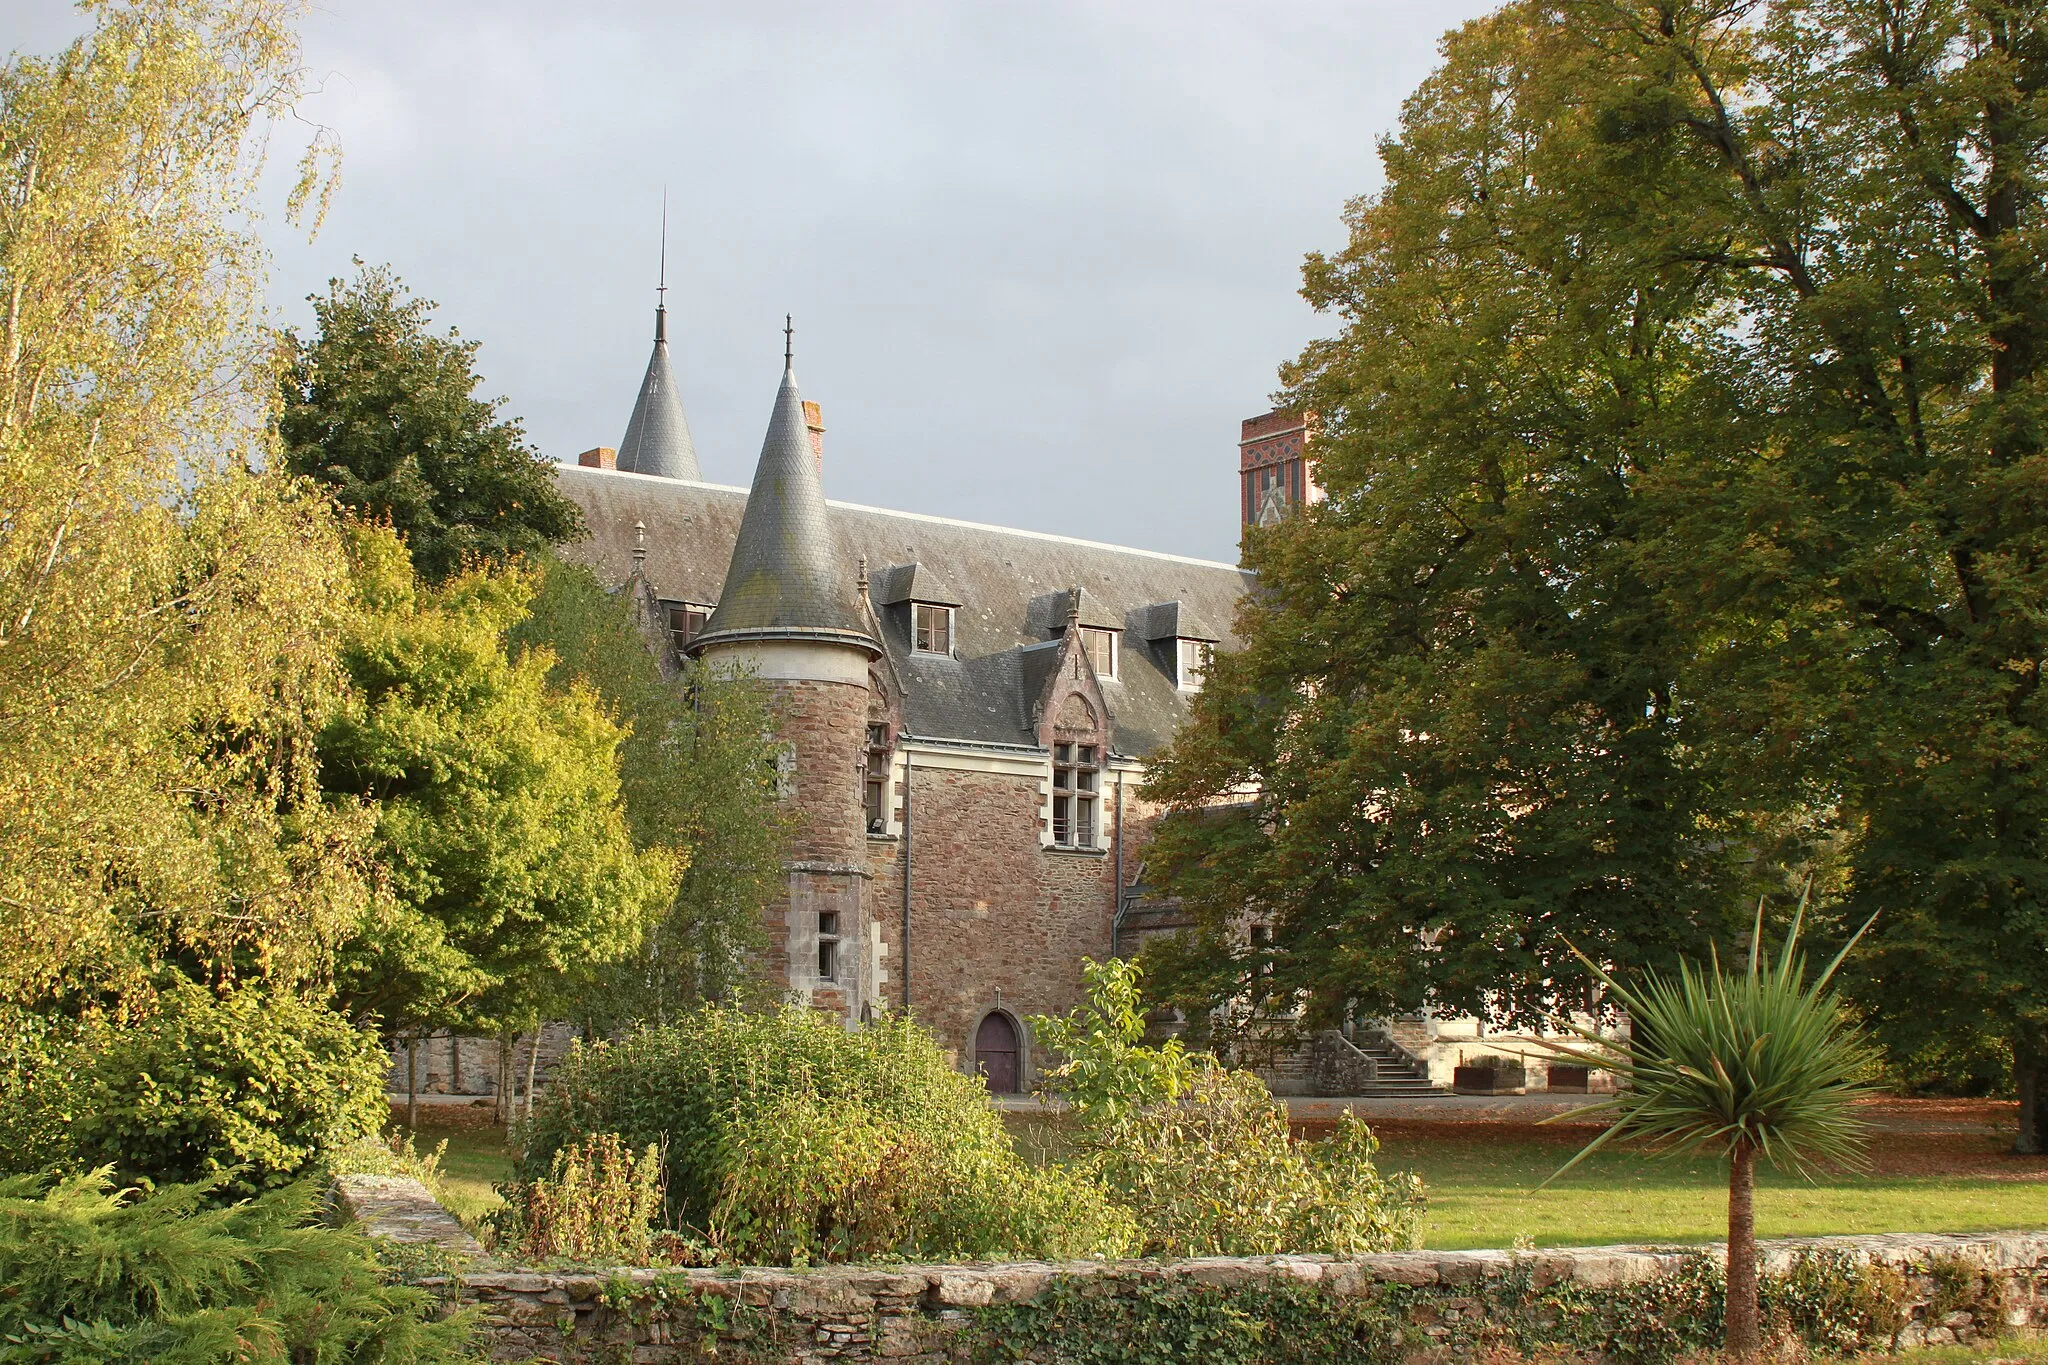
x=474, y=1161
x=1484, y=1192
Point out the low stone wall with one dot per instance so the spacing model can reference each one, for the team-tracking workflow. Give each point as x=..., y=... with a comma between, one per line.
x=924, y=1315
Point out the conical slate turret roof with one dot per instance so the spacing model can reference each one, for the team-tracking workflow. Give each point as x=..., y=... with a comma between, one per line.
x=657, y=439
x=786, y=581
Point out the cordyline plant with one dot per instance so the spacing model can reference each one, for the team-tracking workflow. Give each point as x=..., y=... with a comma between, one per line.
x=1740, y=1064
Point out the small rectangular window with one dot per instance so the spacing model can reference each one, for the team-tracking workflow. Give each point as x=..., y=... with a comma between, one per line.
x=828, y=945
x=686, y=622
x=1101, y=647
x=932, y=628
x=1194, y=663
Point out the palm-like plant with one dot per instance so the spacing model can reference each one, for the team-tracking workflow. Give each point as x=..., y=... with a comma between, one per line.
x=1742, y=1064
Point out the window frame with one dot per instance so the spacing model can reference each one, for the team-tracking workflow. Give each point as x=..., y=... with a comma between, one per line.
x=943, y=615
x=1200, y=672
x=1076, y=794
x=670, y=606
x=828, y=945
x=1091, y=634
x=876, y=772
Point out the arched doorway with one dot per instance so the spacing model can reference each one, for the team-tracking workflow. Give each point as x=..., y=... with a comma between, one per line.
x=995, y=1054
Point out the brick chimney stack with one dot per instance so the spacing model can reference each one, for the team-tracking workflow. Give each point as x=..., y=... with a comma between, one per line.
x=600, y=457
x=1275, y=469
x=814, y=421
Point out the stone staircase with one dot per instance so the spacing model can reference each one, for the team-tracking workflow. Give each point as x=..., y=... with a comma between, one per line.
x=1373, y=1066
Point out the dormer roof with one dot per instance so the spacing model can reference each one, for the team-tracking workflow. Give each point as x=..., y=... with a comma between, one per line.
x=1170, y=621
x=900, y=583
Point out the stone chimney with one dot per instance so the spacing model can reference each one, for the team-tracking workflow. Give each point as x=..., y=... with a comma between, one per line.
x=600, y=457
x=814, y=421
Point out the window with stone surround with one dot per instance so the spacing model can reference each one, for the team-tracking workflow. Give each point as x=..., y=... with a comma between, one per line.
x=931, y=628
x=828, y=945
x=876, y=780
x=1101, y=647
x=1076, y=794
x=1193, y=661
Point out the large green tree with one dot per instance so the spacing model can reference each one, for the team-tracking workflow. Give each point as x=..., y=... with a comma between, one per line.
x=512, y=875
x=1687, y=520
x=695, y=772
x=383, y=411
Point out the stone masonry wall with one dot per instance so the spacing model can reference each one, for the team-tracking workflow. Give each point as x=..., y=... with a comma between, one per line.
x=918, y=1314
x=998, y=921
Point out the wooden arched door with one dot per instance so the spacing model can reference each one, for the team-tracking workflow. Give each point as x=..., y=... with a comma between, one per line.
x=995, y=1054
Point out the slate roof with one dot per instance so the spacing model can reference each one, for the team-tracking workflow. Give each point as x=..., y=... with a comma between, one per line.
x=1005, y=581
x=657, y=439
x=786, y=579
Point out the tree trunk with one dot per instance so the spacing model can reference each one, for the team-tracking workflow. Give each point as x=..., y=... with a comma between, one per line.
x=412, y=1085
x=498, y=1096
x=532, y=1063
x=454, y=1063
x=1741, y=1339
x=2031, y=1082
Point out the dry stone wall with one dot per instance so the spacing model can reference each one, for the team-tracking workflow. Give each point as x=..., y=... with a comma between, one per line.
x=927, y=1314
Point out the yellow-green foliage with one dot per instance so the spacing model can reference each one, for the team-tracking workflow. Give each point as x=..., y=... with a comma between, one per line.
x=166, y=615
x=1213, y=1172
x=596, y=1206
x=498, y=816
x=789, y=1136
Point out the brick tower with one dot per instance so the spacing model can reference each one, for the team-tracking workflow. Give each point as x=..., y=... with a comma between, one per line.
x=791, y=616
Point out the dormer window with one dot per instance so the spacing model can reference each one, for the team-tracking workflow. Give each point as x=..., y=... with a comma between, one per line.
x=931, y=628
x=1102, y=650
x=686, y=622
x=1193, y=659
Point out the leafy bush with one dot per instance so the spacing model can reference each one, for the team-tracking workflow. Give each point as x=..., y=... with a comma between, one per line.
x=596, y=1205
x=1215, y=1173
x=790, y=1137
x=1108, y=1071
x=253, y=1082
x=1201, y=1156
x=92, y=1275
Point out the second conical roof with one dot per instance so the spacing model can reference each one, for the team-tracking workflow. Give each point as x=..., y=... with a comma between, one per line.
x=657, y=439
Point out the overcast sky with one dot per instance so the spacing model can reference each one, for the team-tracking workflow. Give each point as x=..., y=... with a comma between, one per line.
x=1042, y=257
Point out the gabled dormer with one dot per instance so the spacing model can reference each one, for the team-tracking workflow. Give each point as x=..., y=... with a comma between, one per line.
x=1178, y=642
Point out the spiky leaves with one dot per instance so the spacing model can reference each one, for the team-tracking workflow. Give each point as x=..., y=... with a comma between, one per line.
x=1760, y=1062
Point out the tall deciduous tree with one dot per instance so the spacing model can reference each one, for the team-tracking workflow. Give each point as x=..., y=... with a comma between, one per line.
x=512, y=876
x=165, y=612
x=382, y=410
x=1688, y=517
x=696, y=772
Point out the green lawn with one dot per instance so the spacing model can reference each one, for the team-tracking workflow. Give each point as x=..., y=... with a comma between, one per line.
x=1483, y=1193
x=475, y=1159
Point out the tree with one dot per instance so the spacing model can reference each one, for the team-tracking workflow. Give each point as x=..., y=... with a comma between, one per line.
x=512, y=876
x=165, y=608
x=1684, y=437
x=1756, y=1064
x=694, y=772
x=381, y=411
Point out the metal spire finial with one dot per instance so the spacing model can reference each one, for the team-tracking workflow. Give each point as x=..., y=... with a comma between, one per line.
x=661, y=285
x=788, y=341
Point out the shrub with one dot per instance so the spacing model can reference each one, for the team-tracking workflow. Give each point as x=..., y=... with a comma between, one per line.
x=596, y=1205
x=93, y=1274
x=1215, y=1173
x=1200, y=1156
x=250, y=1082
x=780, y=1129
